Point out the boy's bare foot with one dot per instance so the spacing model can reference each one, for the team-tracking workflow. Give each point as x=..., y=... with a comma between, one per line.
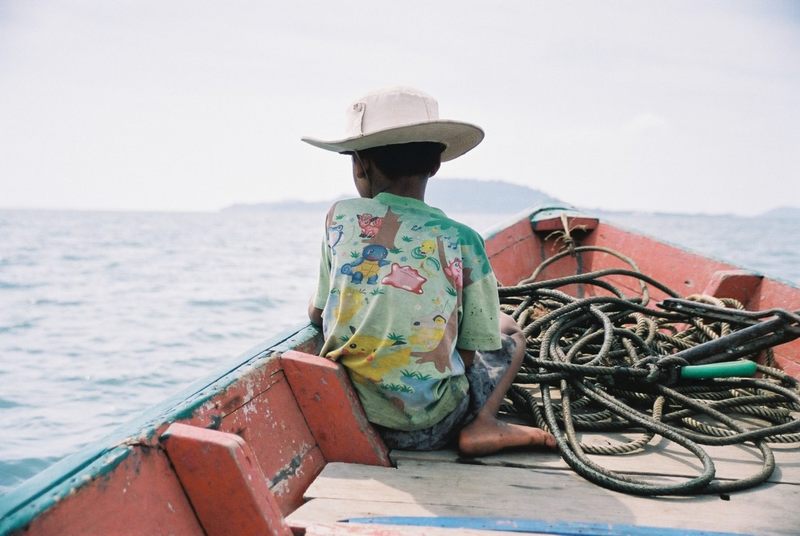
x=487, y=435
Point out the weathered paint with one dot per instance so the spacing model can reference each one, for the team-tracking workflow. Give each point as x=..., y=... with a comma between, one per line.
x=24, y=503
x=69, y=476
x=273, y=425
x=224, y=482
x=332, y=410
x=140, y=496
x=514, y=252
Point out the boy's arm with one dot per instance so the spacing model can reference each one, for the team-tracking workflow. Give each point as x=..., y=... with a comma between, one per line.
x=467, y=356
x=314, y=313
x=323, y=282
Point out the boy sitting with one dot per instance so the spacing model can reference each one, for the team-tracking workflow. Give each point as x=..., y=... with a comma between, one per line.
x=406, y=296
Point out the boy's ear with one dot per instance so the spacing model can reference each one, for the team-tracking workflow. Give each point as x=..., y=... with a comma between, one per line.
x=435, y=170
x=361, y=166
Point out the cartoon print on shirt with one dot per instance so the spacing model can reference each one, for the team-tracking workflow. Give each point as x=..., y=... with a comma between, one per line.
x=335, y=233
x=404, y=371
x=349, y=302
x=425, y=336
x=440, y=354
x=369, y=224
x=372, y=259
x=452, y=244
x=373, y=357
x=426, y=252
x=455, y=271
x=387, y=233
x=404, y=278
x=416, y=388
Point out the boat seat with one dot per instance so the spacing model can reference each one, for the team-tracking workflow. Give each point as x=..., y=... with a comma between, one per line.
x=224, y=481
x=740, y=285
x=281, y=424
x=332, y=410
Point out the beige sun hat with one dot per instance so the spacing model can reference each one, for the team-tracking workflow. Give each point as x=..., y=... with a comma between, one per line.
x=401, y=115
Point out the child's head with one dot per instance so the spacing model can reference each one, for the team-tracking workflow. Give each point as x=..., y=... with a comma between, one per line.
x=420, y=158
x=397, y=132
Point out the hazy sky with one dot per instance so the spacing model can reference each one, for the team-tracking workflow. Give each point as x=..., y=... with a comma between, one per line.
x=673, y=106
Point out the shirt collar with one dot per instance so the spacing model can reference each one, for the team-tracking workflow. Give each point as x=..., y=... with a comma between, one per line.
x=400, y=201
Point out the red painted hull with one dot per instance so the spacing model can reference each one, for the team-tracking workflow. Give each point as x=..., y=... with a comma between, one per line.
x=251, y=441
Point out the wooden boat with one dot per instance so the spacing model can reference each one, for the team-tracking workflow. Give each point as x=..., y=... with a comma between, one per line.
x=277, y=442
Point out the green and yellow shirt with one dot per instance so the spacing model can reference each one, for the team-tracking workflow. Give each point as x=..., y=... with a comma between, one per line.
x=402, y=286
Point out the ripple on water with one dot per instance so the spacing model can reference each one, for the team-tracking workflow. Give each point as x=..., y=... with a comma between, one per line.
x=58, y=303
x=8, y=404
x=72, y=257
x=19, y=326
x=12, y=472
x=16, y=285
x=254, y=304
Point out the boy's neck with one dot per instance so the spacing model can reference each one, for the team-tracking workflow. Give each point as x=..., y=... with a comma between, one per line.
x=413, y=187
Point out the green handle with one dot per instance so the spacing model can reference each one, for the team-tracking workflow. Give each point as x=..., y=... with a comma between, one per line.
x=719, y=370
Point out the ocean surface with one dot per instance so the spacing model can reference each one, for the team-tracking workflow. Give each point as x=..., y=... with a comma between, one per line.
x=103, y=314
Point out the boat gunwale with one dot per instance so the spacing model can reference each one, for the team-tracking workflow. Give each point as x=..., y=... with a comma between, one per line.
x=609, y=221
x=34, y=496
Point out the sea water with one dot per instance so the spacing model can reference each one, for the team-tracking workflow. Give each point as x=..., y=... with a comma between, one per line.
x=103, y=314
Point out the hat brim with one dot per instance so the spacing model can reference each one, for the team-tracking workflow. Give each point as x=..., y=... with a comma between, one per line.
x=457, y=137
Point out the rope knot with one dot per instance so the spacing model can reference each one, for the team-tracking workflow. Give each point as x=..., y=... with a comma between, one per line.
x=664, y=370
x=565, y=236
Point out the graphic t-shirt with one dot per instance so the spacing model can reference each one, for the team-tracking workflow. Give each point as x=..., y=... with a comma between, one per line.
x=402, y=286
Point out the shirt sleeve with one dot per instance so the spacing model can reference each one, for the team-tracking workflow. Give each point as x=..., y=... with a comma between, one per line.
x=324, y=280
x=480, y=319
x=325, y=261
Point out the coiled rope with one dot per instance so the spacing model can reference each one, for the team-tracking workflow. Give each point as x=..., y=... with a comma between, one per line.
x=610, y=363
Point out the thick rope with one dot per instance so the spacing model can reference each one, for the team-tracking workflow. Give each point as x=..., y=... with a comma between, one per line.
x=615, y=364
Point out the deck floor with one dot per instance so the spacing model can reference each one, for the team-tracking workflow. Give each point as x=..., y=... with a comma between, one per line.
x=540, y=487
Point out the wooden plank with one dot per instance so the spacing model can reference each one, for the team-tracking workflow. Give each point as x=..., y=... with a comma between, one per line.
x=332, y=410
x=486, y=526
x=224, y=482
x=357, y=529
x=663, y=458
x=254, y=380
x=330, y=510
x=578, y=225
x=327, y=509
x=737, y=284
x=273, y=425
x=557, y=496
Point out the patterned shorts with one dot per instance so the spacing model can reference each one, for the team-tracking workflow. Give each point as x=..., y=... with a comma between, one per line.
x=483, y=377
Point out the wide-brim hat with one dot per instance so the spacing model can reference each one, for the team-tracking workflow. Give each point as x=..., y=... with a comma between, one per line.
x=401, y=115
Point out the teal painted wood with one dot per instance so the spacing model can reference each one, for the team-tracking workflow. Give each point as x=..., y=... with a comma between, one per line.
x=535, y=526
x=554, y=211
x=34, y=496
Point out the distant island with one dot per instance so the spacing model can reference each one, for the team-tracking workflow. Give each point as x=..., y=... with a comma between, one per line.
x=785, y=213
x=491, y=197
x=450, y=195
